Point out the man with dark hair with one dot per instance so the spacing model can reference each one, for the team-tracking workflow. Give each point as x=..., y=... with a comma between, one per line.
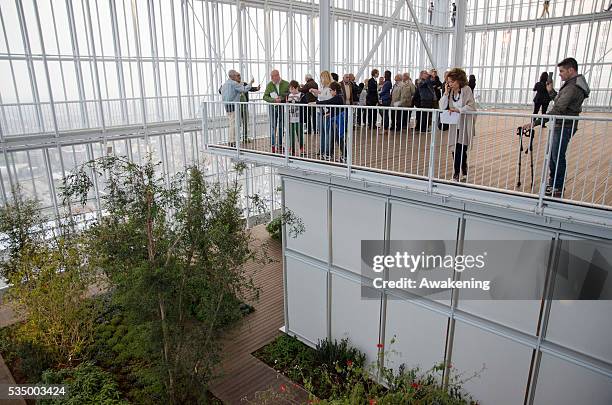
x=372, y=98
x=568, y=101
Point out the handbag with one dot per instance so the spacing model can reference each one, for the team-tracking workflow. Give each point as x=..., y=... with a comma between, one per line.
x=441, y=126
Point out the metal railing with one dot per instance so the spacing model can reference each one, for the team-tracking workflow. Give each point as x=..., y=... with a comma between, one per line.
x=36, y=118
x=490, y=151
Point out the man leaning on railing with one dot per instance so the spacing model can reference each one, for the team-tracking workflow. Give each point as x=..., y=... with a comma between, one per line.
x=568, y=101
x=230, y=93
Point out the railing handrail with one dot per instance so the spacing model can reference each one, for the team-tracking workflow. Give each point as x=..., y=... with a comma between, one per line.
x=390, y=108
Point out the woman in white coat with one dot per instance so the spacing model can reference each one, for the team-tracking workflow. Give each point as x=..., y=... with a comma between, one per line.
x=458, y=97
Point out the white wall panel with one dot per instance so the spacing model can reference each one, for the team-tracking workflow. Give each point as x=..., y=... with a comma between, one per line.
x=355, y=317
x=580, y=324
x=506, y=365
x=309, y=202
x=355, y=217
x=518, y=268
x=307, y=300
x=563, y=383
x=417, y=223
x=420, y=335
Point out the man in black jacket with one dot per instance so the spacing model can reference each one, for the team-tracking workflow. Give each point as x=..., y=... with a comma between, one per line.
x=372, y=98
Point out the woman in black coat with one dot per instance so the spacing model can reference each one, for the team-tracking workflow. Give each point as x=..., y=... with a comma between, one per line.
x=542, y=98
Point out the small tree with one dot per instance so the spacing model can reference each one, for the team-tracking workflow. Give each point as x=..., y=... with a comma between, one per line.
x=174, y=251
x=48, y=276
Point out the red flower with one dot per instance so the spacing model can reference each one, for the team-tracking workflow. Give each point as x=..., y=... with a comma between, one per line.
x=372, y=402
x=349, y=363
x=416, y=386
x=380, y=345
x=283, y=388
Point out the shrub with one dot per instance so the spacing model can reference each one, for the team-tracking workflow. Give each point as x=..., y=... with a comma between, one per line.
x=86, y=384
x=48, y=274
x=331, y=353
x=275, y=228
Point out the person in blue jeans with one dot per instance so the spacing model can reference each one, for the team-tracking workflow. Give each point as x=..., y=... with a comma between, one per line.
x=331, y=110
x=568, y=101
x=385, y=98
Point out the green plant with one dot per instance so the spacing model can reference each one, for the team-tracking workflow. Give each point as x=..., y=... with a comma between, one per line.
x=86, y=384
x=48, y=273
x=335, y=373
x=290, y=221
x=331, y=353
x=173, y=251
x=275, y=228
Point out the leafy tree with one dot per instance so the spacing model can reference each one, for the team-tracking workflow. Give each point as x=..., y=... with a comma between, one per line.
x=48, y=274
x=173, y=250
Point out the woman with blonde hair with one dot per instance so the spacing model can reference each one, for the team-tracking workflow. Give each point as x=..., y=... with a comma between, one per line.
x=458, y=97
x=323, y=93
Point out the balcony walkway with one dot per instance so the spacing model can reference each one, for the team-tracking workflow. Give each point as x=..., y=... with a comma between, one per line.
x=243, y=375
x=492, y=158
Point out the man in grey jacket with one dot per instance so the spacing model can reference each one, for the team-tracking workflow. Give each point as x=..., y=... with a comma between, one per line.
x=568, y=102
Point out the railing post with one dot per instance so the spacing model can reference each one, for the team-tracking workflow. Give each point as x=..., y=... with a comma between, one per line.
x=551, y=131
x=349, y=140
x=288, y=135
x=237, y=137
x=432, y=148
x=204, y=126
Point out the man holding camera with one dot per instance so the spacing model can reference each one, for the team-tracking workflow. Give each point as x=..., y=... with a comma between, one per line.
x=568, y=102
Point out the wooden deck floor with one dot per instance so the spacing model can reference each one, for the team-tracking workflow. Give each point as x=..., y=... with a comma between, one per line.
x=493, y=156
x=243, y=375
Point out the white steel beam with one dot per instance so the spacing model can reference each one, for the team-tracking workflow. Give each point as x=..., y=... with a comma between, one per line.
x=324, y=35
x=459, y=38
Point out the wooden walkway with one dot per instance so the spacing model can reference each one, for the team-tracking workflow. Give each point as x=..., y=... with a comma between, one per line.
x=493, y=156
x=243, y=375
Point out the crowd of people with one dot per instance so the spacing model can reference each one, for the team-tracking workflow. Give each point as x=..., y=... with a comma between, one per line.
x=321, y=109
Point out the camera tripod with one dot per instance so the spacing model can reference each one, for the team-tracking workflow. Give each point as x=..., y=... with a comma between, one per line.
x=529, y=133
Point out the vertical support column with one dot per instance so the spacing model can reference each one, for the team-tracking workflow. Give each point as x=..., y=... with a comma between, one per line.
x=140, y=70
x=118, y=61
x=95, y=69
x=432, y=151
x=349, y=141
x=159, y=107
x=77, y=64
x=267, y=38
x=284, y=256
x=239, y=21
x=31, y=71
x=459, y=40
x=176, y=65
x=551, y=130
x=324, y=35
x=188, y=59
